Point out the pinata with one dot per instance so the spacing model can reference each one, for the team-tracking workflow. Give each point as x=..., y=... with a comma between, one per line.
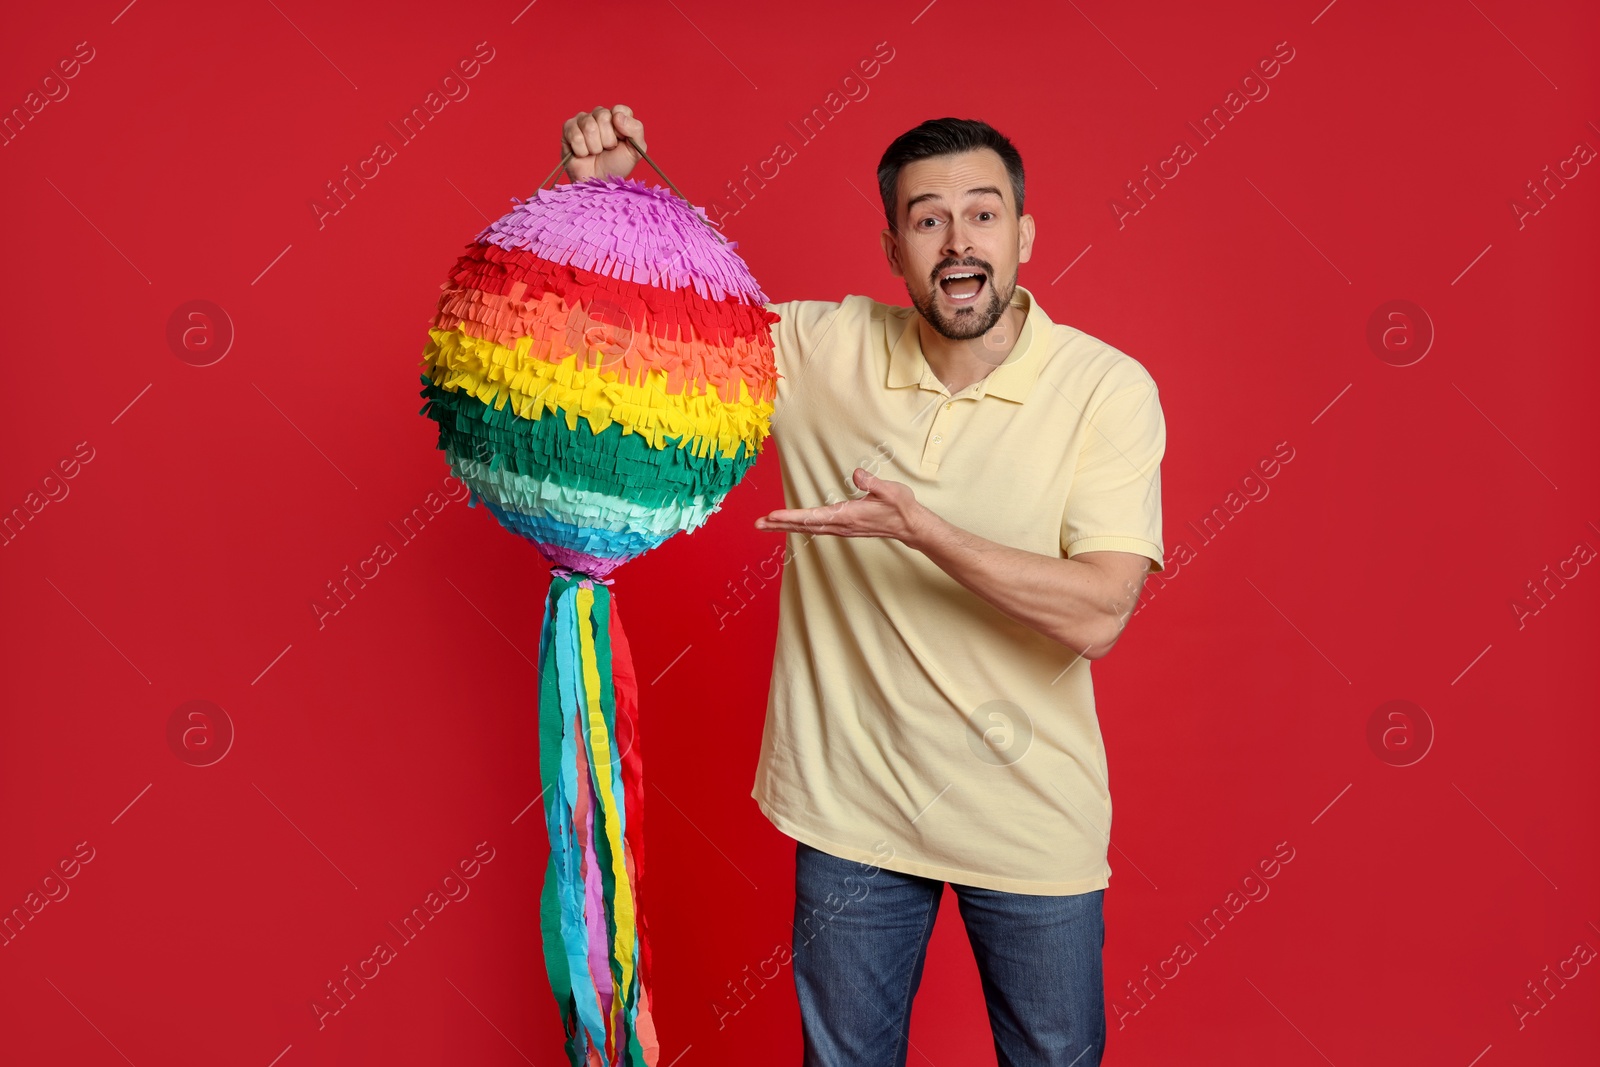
x=601, y=371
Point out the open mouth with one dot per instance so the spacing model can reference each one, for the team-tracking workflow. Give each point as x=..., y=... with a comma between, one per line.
x=962, y=286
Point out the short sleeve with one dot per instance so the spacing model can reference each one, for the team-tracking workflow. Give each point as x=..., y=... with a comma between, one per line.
x=783, y=334
x=1114, y=502
x=802, y=329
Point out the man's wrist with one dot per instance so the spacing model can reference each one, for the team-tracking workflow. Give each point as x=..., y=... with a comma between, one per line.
x=924, y=528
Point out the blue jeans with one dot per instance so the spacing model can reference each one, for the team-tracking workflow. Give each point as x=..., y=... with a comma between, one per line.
x=860, y=938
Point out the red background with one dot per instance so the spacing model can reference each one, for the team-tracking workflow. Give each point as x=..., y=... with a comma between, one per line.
x=375, y=752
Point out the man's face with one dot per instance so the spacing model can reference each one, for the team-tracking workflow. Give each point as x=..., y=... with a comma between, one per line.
x=958, y=216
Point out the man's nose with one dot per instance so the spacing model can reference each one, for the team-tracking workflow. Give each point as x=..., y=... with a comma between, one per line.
x=957, y=242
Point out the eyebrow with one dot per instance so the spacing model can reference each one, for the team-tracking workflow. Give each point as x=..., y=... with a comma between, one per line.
x=978, y=191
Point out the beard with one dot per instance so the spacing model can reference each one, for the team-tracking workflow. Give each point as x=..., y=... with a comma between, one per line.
x=970, y=322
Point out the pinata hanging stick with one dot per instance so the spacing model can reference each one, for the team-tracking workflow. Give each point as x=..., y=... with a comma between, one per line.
x=601, y=372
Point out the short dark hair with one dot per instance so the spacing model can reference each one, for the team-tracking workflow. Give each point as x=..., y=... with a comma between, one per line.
x=938, y=137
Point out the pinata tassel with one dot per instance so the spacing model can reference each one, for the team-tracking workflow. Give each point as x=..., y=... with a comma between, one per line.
x=595, y=945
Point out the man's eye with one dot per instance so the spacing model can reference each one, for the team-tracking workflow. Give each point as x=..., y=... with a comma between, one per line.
x=986, y=213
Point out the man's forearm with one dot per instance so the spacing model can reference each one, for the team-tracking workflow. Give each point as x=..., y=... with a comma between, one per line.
x=1064, y=599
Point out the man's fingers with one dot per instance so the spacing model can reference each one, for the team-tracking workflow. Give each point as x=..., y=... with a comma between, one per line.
x=572, y=138
x=810, y=522
x=602, y=121
x=595, y=133
x=575, y=139
x=802, y=527
x=583, y=142
x=810, y=516
x=628, y=126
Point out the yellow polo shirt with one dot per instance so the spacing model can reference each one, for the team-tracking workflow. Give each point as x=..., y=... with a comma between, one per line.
x=911, y=724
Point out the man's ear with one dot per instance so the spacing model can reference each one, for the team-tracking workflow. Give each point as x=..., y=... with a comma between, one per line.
x=1025, y=239
x=891, y=252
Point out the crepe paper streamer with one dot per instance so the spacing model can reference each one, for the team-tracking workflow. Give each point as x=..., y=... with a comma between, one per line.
x=600, y=370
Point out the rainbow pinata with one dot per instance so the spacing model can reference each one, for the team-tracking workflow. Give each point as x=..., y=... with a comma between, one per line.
x=601, y=371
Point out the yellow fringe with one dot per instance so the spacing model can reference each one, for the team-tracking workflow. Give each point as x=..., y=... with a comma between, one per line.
x=578, y=387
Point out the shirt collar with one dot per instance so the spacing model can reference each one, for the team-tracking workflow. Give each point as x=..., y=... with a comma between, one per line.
x=1012, y=380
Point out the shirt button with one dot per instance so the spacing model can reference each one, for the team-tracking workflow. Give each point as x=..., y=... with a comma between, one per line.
x=938, y=438
x=947, y=407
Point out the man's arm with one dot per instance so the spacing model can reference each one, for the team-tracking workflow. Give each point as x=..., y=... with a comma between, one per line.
x=1083, y=602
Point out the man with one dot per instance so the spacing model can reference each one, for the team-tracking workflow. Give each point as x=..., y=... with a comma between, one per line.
x=975, y=503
